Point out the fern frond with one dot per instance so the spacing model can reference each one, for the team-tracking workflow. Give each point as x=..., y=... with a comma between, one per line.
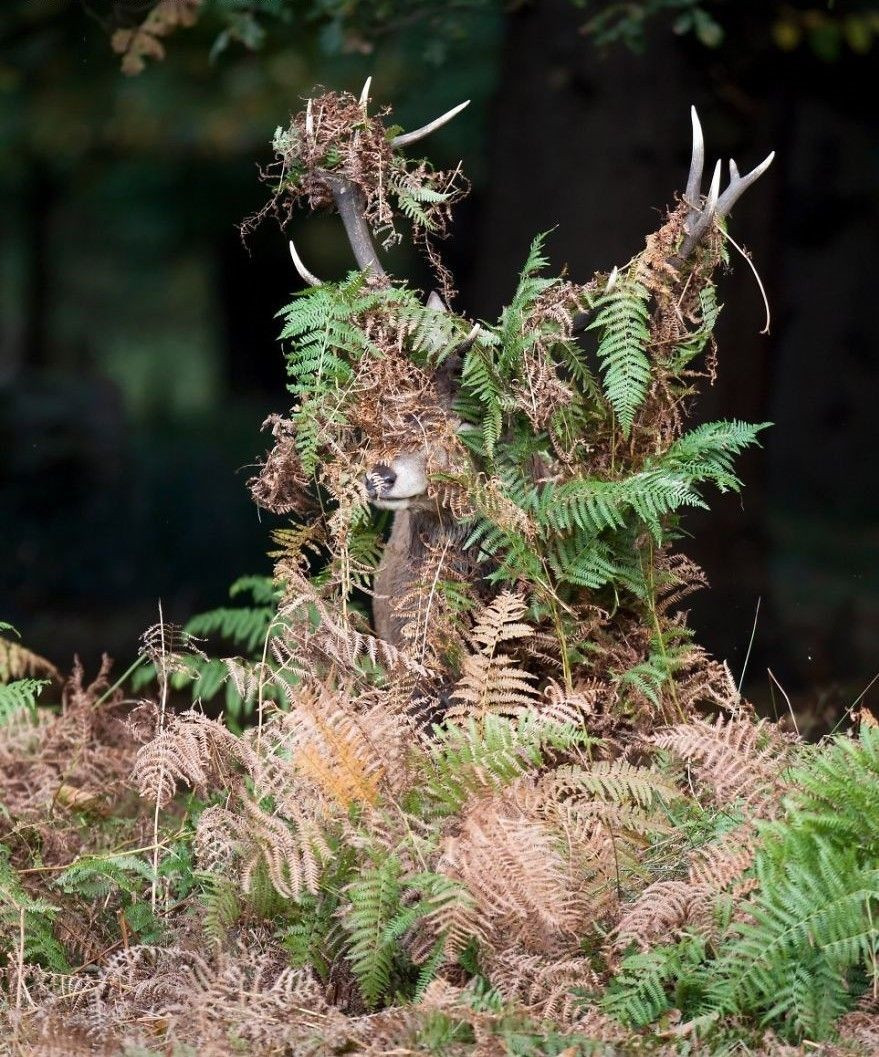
x=95, y=876
x=623, y=320
x=492, y=682
x=815, y=912
x=374, y=902
x=478, y=758
x=19, y=697
x=512, y=865
x=740, y=761
x=613, y=780
x=28, y=921
x=16, y=661
x=706, y=453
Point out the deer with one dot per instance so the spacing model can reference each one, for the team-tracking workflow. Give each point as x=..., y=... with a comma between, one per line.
x=402, y=484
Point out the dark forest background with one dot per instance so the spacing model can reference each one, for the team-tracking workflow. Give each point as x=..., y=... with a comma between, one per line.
x=138, y=351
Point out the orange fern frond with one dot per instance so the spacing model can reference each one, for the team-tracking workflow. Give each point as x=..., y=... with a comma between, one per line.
x=291, y=856
x=662, y=910
x=513, y=866
x=492, y=682
x=193, y=751
x=739, y=761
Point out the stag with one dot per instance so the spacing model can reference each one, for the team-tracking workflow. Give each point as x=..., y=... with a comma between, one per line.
x=402, y=484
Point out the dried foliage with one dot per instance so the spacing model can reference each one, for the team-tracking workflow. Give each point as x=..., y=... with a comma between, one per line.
x=143, y=41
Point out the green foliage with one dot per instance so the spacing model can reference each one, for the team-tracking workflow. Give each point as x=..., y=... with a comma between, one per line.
x=372, y=936
x=483, y=757
x=493, y=365
x=220, y=906
x=242, y=626
x=19, y=697
x=814, y=924
x=804, y=945
x=627, y=23
x=813, y=941
x=27, y=920
x=321, y=324
x=124, y=879
x=623, y=322
x=587, y=529
x=325, y=342
x=652, y=983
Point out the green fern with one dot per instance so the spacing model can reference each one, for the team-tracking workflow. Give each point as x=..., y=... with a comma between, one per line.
x=412, y=198
x=623, y=320
x=324, y=342
x=806, y=942
x=27, y=921
x=706, y=453
x=815, y=915
x=220, y=907
x=815, y=920
x=374, y=903
x=494, y=362
x=243, y=627
x=481, y=758
x=19, y=697
x=652, y=983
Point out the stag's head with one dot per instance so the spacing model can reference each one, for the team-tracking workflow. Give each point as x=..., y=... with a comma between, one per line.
x=411, y=435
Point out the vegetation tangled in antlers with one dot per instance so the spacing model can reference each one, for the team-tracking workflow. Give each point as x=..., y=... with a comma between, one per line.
x=594, y=848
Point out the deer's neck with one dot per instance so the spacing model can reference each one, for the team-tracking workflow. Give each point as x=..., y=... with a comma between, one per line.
x=413, y=534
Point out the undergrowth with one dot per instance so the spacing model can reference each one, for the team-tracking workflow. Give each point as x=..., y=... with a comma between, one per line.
x=542, y=821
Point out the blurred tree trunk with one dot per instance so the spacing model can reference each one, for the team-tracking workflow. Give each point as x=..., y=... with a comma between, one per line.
x=38, y=201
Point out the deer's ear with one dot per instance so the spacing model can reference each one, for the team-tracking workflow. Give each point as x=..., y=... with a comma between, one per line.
x=447, y=377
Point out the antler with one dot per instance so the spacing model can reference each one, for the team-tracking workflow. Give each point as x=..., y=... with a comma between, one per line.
x=700, y=217
x=419, y=133
x=304, y=273
x=349, y=200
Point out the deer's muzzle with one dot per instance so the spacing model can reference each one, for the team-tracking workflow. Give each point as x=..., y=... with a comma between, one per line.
x=379, y=481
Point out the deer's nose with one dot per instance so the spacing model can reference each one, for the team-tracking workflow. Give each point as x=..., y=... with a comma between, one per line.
x=379, y=481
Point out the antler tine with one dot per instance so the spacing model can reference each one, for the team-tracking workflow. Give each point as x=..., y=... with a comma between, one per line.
x=472, y=335
x=364, y=93
x=697, y=161
x=304, y=273
x=425, y=130
x=739, y=184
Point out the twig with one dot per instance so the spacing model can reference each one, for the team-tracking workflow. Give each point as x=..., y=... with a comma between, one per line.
x=787, y=699
x=163, y=702
x=750, y=644
x=863, y=693
x=141, y=658
x=19, y=981
x=751, y=265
